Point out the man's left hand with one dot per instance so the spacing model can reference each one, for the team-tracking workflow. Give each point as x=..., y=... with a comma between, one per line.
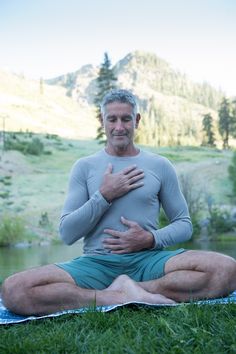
x=134, y=239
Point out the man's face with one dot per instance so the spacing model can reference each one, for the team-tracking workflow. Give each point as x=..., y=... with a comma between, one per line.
x=119, y=123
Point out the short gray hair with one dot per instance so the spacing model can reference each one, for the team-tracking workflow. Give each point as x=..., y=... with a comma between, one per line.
x=119, y=95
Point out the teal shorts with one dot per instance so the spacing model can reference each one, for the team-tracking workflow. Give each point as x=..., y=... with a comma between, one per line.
x=99, y=271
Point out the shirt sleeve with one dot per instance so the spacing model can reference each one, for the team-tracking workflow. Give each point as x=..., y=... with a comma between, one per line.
x=80, y=213
x=176, y=210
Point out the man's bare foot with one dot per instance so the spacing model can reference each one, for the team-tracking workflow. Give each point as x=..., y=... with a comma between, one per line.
x=128, y=290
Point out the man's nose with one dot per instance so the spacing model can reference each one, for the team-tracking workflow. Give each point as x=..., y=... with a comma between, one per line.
x=119, y=125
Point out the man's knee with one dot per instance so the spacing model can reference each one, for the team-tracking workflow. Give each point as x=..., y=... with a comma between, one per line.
x=202, y=261
x=11, y=290
x=221, y=270
x=229, y=266
x=221, y=263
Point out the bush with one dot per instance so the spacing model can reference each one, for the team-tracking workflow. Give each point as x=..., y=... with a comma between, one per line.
x=47, y=152
x=6, y=180
x=194, y=201
x=12, y=230
x=220, y=221
x=34, y=147
x=44, y=220
x=4, y=194
x=52, y=136
x=13, y=143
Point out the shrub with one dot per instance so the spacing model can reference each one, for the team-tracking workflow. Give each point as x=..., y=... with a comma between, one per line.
x=6, y=181
x=220, y=221
x=47, y=152
x=12, y=230
x=44, y=220
x=13, y=143
x=34, y=147
x=52, y=136
x=194, y=200
x=4, y=194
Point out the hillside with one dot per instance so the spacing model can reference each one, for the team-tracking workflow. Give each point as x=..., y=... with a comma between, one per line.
x=28, y=105
x=167, y=98
x=172, y=106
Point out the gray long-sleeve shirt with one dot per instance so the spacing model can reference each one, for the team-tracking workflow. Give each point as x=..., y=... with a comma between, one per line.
x=86, y=213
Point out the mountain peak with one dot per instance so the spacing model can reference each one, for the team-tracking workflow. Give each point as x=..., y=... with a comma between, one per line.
x=142, y=58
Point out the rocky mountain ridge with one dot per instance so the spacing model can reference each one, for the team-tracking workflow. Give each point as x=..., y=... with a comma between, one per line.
x=145, y=74
x=172, y=105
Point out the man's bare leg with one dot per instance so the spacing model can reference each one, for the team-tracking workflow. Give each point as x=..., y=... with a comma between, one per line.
x=195, y=275
x=50, y=289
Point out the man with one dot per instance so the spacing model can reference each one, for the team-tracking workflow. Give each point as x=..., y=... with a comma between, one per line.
x=113, y=201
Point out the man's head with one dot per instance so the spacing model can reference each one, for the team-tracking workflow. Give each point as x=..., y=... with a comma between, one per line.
x=119, y=118
x=122, y=96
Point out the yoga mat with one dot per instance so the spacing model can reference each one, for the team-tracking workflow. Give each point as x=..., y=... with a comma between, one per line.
x=7, y=317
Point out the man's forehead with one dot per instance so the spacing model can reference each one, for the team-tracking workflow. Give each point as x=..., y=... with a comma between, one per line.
x=118, y=107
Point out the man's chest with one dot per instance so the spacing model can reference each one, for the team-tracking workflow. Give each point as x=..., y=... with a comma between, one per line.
x=150, y=188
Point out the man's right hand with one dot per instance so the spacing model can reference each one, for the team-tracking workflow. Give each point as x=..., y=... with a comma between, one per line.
x=114, y=185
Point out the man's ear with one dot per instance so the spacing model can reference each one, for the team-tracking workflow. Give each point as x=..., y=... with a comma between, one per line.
x=137, y=119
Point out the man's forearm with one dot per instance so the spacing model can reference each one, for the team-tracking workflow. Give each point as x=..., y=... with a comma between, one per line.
x=80, y=222
x=176, y=232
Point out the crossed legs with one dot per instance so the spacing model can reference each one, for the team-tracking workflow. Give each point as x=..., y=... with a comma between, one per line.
x=49, y=289
x=189, y=275
x=195, y=275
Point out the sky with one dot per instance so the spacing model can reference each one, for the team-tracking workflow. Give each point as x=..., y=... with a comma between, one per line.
x=48, y=38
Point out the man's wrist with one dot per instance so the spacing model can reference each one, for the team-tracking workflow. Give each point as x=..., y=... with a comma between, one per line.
x=106, y=197
x=150, y=240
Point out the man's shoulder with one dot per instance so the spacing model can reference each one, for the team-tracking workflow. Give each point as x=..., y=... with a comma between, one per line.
x=155, y=157
x=87, y=160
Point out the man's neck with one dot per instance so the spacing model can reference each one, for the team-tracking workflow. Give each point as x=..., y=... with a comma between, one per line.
x=118, y=151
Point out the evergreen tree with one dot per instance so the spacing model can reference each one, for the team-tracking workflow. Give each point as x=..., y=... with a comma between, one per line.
x=151, y=126
x=105, y=81
x=207, y=123
x=232, y=172
x=233, y=129
x=225, y=122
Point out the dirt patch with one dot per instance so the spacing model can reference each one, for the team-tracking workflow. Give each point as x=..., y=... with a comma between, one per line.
x=14, y=163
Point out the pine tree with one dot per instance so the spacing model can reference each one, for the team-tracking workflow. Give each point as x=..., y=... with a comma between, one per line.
x=105, y=81
x=233, y=128
x=232, y=172
x=207, y=123
x=225, y=122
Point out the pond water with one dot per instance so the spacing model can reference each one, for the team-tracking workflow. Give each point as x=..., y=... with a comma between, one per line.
x=14, y=259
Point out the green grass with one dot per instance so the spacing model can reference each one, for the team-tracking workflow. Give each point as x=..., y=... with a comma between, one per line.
x=191, y=153
x=184, y=329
